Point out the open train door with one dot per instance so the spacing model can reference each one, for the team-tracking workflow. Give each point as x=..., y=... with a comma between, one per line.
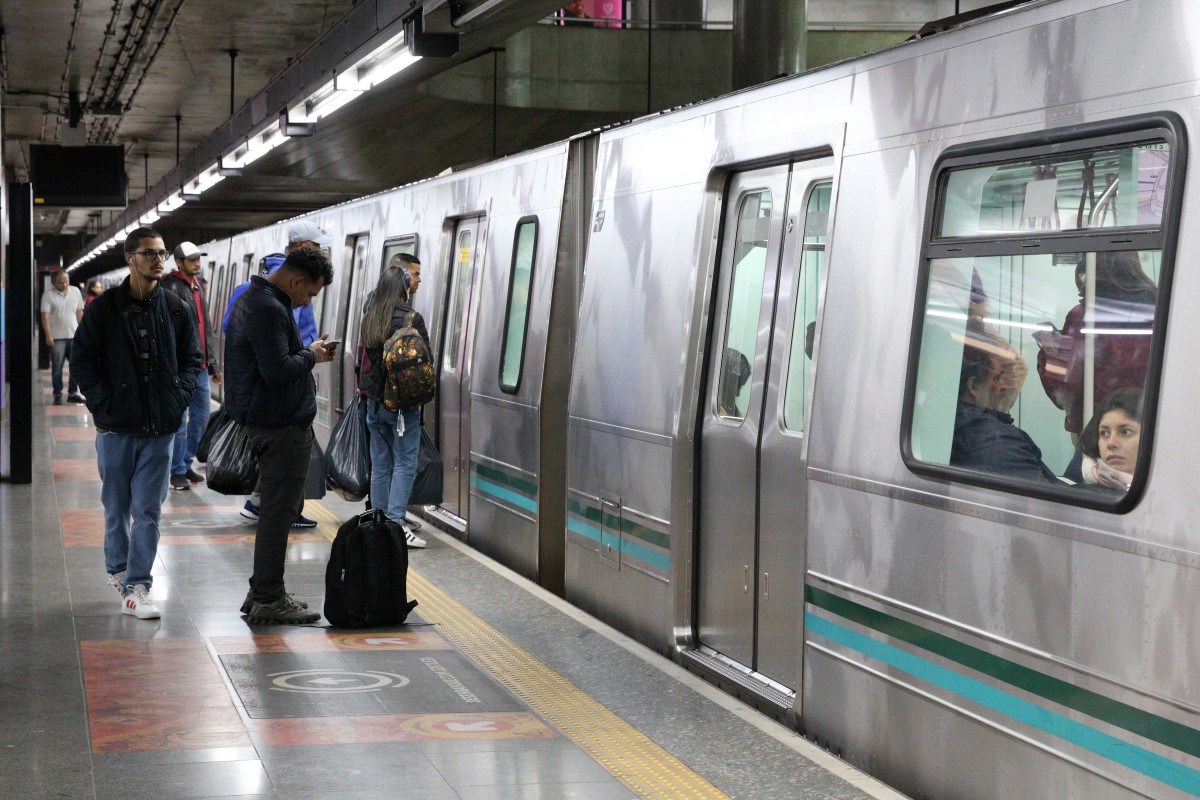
x=454, y=384
x=752, y=495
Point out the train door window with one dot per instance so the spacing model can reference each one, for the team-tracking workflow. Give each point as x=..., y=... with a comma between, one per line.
x=352, y=310
x=812, y=268
x=1043, y=298
x=464, y=249
x=520, y=285
x=395, y=246
x=745, y=300
x=216, y=290
x=318, y=304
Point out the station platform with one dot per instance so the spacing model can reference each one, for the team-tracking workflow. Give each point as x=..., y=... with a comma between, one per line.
x=493, y=688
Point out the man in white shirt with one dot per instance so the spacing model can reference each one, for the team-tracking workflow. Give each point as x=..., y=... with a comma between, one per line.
x=62, y=308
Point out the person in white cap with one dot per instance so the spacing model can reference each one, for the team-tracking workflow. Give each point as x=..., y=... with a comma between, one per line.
x=302, y=233
x=185, y=283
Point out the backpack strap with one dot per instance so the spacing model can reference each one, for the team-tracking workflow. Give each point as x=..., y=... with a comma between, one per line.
x=178, y=312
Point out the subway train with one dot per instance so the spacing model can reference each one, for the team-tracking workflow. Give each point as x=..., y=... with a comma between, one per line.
x=804, y=387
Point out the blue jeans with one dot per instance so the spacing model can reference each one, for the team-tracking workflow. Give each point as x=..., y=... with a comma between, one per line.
x=187, y=438
x=133, y=471
x=393, y=457
x=60, y=353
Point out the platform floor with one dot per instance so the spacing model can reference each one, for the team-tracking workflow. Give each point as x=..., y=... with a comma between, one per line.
x=493, y=689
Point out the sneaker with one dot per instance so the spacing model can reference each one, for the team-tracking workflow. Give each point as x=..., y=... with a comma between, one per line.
x=138, y=603
x=58, y=401
x=193, y=476
x=179, y=483
x=249, y=511
x=248, y=603
x=117, y=581
x=412, y=540
x=284, y=611
x=304, y=522
x=76, y=397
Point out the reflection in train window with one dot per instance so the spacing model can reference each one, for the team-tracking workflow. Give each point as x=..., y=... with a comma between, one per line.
x=519, y=287
x=812, y=266
x=745, y=300
x=1030, y=349
x=397, y=245
x=463, y=250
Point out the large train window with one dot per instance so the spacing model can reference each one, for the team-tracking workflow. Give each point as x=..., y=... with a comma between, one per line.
x=464, y=248
x=745, y=299
x=1041, y=310
x=520, y=285
x=812, y=268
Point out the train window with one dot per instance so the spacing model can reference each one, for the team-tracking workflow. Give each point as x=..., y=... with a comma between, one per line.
x=745, y=299
x=1035, y=358
x=812, y=267
x=462, y=280
x=520, y=285
x=396, y=246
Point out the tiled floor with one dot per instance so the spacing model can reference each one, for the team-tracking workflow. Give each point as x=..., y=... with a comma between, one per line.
x=97, y=704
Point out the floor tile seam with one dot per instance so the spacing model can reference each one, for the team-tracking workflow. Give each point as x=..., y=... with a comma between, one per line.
x=603, y=732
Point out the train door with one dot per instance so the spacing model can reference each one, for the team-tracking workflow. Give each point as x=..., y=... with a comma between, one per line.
x=752, y=492
x=353, y=294
x=454, y=384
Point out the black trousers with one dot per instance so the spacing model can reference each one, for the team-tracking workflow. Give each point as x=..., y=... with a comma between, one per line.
x=283, y=456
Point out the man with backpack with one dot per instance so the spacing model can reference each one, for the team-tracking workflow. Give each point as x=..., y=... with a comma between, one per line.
x=269, y=391
x=137, y=358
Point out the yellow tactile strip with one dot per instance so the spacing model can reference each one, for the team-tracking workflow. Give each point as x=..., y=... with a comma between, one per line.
x=620, y=748
x=623, y=750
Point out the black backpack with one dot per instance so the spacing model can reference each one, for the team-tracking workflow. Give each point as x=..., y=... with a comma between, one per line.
x=366, y=581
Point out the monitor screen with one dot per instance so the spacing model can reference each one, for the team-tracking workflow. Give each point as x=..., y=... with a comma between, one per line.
x=78, y=176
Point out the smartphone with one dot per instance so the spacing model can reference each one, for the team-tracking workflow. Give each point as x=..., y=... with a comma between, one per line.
x=332, y=344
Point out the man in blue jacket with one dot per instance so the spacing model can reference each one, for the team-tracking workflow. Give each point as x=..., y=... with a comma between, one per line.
x=300, y=234
x=136, y=356
x=269, y=390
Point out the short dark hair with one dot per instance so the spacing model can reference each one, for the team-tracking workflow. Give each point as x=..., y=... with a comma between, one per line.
x=310, y=263
x=134, y=239
x=407, y=258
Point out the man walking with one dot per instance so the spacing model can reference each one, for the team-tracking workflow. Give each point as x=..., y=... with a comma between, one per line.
x=269, y=390
x=62, y=308
x=136, y=357
x=185, y=283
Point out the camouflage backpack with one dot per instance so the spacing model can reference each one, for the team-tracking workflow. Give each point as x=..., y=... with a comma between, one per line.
x=411, y=380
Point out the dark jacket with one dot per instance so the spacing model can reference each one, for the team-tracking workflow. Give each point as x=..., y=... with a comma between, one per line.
x=986, y=440
x=104, y=362
x=183, y=290
x=268, y=370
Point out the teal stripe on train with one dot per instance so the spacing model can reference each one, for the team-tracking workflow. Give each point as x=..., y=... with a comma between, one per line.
x=506, y=487
x=638, y=541
x=1142, y=723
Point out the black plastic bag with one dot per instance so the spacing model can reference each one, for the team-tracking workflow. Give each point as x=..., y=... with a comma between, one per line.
x=232, y=462
x=348, y=459
x=314, y=486
x=427, y=486
x=214, y=421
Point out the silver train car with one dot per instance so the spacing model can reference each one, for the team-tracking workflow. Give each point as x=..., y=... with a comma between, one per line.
x=711, y=375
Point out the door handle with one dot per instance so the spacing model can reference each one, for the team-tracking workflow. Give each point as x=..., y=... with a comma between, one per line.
x=745, y=578
x=766, y=586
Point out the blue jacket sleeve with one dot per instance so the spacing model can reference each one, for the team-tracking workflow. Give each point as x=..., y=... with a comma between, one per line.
x=237, y=292
x=307, y=323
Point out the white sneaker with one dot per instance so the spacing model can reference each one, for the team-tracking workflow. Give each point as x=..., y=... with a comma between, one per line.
x=117, y=581
x=139, y=604
x=412, y=540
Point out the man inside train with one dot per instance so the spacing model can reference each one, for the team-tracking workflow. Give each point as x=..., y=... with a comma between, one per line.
x=412, y=265
x=985, y=437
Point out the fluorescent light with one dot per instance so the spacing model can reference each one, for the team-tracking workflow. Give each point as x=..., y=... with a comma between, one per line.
x=150, y=217
x=174, y=200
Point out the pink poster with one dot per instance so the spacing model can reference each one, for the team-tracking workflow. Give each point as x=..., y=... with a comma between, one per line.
x=594, y=10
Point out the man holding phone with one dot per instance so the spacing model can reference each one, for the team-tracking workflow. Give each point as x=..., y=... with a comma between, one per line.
x=270, y=392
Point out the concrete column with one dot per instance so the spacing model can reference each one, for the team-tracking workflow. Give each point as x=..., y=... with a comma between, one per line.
x=768, y=40
x=22, y=376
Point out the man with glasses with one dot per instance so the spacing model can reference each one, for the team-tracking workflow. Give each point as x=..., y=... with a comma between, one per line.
x=136, y=358
x=185, y=283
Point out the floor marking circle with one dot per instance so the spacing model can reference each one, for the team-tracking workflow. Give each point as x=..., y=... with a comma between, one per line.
x=332, y=680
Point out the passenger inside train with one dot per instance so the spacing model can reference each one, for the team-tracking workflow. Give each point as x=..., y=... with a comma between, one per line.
x=1110, y=441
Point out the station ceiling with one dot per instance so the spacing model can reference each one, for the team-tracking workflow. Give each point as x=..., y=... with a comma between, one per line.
x=158, y=77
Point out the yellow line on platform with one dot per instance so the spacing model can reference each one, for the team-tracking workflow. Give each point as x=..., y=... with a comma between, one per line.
x=622, y=749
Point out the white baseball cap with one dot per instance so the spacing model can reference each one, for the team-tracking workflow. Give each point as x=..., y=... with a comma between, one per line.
x=305, y=231
x=186, y=250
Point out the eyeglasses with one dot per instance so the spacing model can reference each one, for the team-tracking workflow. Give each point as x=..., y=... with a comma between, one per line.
x=160, y=255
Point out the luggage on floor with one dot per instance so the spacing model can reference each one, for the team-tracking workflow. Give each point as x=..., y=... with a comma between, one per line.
x=366, y=581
